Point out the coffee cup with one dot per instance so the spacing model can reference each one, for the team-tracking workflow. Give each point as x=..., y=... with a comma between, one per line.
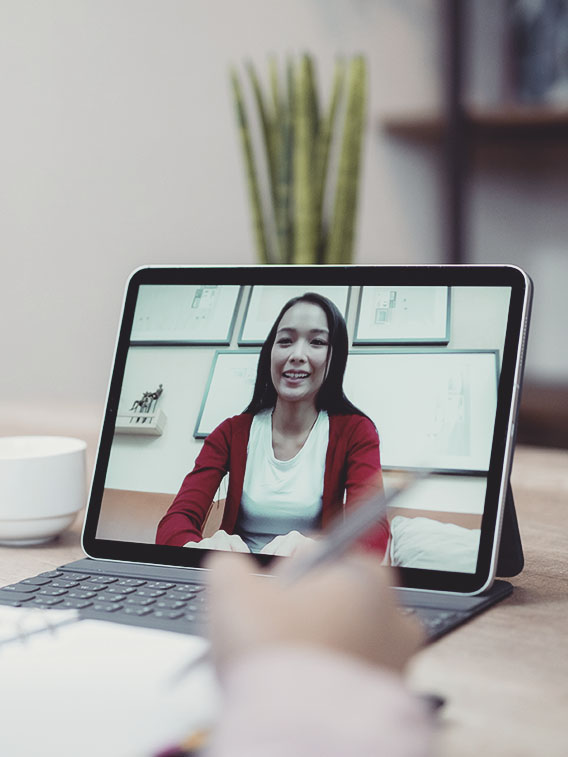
x=42, y=487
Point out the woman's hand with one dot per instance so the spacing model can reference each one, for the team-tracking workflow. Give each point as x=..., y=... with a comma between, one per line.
x=220, y=540
x=348, y=607
x=286, y=544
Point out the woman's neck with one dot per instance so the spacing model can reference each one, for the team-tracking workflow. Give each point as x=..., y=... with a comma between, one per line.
x=293, y=418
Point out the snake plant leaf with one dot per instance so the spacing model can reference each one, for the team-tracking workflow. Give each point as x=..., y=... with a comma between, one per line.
x=252, y=180
x=305, y=233
x=281, y=135
x=341, y=237
x=326, y=132
x=268, y=128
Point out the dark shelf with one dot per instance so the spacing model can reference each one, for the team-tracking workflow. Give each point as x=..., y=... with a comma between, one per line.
x=456, y=129
x=505, y=122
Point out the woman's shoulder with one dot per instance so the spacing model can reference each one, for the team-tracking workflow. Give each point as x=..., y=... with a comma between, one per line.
x=236, y=424
x=235, y=429
x=340, y=425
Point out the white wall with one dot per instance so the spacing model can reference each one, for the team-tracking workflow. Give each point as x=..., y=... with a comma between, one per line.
x=118, y=147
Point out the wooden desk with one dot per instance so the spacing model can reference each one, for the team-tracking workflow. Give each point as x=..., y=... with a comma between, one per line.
x=504, y=674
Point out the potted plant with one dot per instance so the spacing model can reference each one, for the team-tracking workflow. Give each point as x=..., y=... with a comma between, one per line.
x=309, y=157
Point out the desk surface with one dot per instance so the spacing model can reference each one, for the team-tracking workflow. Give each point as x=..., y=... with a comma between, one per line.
x=504, y=674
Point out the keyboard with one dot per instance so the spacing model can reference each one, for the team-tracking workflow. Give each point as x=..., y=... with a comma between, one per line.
x=167, y=605
x=179, y=606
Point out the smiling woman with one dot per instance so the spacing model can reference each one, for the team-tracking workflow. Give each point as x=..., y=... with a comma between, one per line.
x=297, y=455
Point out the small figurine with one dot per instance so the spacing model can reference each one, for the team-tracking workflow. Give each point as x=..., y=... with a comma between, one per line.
x=146, y=404
x=154, y=397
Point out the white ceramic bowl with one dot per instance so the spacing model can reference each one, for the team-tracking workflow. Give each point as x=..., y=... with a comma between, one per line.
x=42, y=487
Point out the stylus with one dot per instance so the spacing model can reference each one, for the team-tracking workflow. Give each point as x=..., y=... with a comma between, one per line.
x=343, y=533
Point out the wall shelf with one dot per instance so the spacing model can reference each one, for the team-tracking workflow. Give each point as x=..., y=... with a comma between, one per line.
x=503, y=122
x=455, y=130
x=140, y=424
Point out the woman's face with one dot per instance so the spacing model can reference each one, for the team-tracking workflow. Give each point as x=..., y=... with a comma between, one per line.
x=298, y=363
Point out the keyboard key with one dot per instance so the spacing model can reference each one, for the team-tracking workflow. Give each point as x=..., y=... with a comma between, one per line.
x=49, y=592
x=37, y=581
x=193, y=588
x=76, y=604
x=150, y=593
x=134, y=610
x=159, y=585
x=196, y=607
x=21, y=588
x=51, y=574
x=92, y=586
x=46, y=601
x=169, y=605
x=75, y=576
x=131, y=582
x=80, y=594
x=106, y=607
x=111, y=597
x=57, y=583
x=14, y=600
x=120, y=589
x=103, y=579
x=140, y=601
x=168, y=614
x=15, y=596
x=179, y=595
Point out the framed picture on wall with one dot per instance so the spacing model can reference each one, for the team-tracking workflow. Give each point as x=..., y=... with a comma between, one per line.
x=265, y=303
x=228, y=390
x=188, y=314
x=403, y=315
x=432, y=408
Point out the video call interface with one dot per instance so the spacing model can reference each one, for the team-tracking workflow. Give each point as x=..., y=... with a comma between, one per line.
x=423, y=367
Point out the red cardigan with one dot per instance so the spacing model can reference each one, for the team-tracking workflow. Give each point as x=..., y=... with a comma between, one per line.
x=352, y=465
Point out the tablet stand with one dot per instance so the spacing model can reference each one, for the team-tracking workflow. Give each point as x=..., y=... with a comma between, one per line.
x=511, y=559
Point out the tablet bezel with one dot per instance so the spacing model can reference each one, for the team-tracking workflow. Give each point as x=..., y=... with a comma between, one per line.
x=313, y=276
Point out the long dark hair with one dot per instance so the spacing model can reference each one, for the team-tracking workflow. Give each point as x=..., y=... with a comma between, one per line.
x=330, y=396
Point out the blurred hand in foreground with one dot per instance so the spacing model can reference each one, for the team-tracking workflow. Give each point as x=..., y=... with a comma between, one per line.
x=348, y=607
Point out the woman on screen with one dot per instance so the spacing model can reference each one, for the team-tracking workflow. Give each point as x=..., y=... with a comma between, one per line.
x=297, y=455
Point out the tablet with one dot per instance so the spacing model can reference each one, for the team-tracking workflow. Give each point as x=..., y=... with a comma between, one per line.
x=429, y=360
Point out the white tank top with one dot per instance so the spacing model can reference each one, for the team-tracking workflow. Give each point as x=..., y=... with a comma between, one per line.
x=281, y=495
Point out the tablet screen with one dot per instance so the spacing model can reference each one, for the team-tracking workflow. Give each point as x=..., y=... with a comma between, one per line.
x=247, y=416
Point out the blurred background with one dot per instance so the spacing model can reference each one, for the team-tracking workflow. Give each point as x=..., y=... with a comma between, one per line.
x=119, y=148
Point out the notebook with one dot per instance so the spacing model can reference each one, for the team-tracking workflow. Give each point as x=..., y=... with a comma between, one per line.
x=409, y=368
x=65, y=691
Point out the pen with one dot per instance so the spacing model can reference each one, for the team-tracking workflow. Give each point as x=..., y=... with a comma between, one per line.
x=344, y=531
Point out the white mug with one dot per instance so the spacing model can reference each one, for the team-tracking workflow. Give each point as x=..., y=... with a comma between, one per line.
x=42, y=487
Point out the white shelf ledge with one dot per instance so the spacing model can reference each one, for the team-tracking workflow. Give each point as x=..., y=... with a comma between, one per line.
x=140, y=424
